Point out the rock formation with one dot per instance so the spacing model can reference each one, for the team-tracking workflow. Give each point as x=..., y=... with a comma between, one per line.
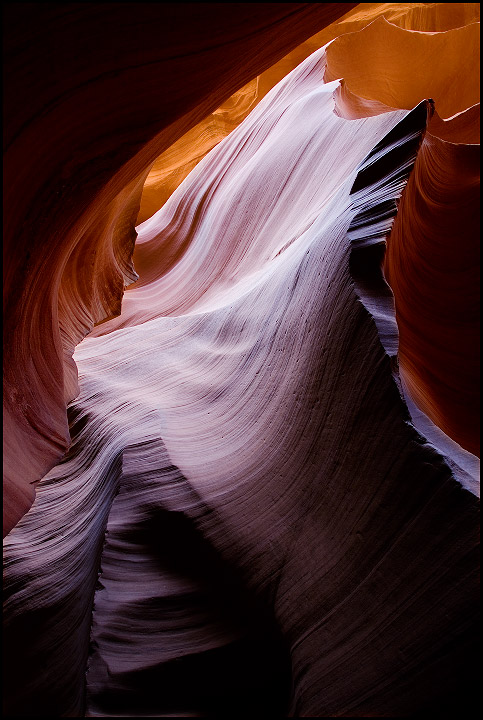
x=87, y=113
x=255, y=512
x=439, y=356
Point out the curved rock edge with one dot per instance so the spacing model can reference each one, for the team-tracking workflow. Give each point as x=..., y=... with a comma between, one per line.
x=384, y=174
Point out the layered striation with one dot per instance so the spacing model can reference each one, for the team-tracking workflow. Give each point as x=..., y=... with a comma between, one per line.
x=93, y=95
x=395, y=66
x=433, y=255
x=432, y=265
x=171, y=168
x=247, y=517
x=385, y=55
x=174, y=165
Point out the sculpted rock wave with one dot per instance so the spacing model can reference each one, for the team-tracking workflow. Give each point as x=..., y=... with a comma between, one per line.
x=433, y=255
x=432, y=265
x=174, y=165
x=90, y=103
x=245, y=480
x=439, y=347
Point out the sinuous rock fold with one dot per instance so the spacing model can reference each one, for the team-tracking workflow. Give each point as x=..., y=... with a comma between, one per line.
x=259, y=476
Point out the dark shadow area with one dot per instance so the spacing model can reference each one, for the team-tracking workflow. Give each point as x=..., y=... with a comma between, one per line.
x=365, y=265
x=249, y=675
x=401, y=146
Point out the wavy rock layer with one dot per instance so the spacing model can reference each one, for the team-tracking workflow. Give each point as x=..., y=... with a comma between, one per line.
x=432, y=265
x=394, y=66
x=174, y=165
x=171, y=168
x=267, y=522
x=389, y=64
x=86, y=89
x=433, y=251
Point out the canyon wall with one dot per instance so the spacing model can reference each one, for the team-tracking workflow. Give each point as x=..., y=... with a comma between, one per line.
x=247, y=502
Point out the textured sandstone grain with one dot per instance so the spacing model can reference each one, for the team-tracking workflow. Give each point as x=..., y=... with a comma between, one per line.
x=94, y=93
x=253, y=515
x=240, y=435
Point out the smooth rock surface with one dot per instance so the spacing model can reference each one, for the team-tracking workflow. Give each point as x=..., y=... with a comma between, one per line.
x=94, y=93
x=241, y=435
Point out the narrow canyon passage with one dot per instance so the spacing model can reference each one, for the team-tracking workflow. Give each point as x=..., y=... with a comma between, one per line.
x=256, y=511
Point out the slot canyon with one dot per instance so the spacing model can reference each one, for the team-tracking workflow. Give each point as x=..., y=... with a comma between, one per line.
x=241, y=359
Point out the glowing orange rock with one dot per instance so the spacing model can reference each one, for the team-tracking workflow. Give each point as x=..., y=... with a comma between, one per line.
x=86, y=115
x=432, y=265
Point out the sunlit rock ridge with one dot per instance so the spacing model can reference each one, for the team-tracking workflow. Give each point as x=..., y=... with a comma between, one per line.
x=241, y=361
